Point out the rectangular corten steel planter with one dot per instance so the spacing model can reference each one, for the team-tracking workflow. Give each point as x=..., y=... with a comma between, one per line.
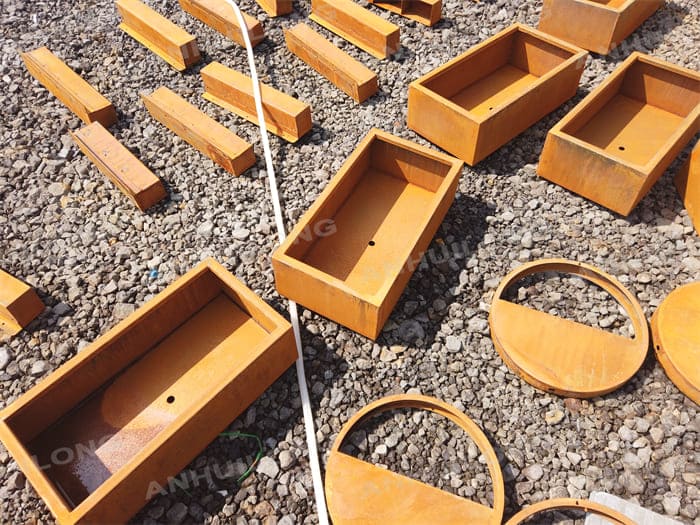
x=688, y=184
x=617, y=142
x=354, y=250
x=144, y=399
x=475, y=103
x=596, y=25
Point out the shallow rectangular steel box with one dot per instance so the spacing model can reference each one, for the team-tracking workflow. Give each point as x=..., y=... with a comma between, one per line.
x=144, y=399
x=617, y=142
x=480, y=100
x=352, y=253
x=596, y=25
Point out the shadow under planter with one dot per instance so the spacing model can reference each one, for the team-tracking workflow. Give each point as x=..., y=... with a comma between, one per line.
x=480, y=100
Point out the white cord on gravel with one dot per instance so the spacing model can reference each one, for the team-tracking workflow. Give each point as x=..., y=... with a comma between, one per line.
x=311, y=443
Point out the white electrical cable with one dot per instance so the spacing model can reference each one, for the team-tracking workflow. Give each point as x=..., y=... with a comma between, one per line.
x=293, y=314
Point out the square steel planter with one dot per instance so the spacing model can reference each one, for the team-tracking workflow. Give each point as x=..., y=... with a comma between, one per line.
x=688, y=184
x=137, y=405
x=352, y=253
x=614, y=145
x=475, y=103
x=597, y=25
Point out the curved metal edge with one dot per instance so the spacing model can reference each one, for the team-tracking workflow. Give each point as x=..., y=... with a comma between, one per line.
x=617, y=518
x=690, y=390
x=446, y=410
x=592, y=274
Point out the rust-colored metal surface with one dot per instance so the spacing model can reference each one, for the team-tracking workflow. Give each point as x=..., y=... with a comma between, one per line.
x=220, y=16
x=120, y=166
x=69, y=87
x=617, y=142
x=352, y=253
x=596, y=25
x=198, y=129
x=164, y=38
x=613, y=516
x=357, y=25
x=478, y=101
x=276, y=7
x=19, y=305
x=688, y=184
x=675, y=327
x=285, y=115
x=427, y=12
x=360, y=493
x=350, y=75
x=561, y=356
x=139, y=403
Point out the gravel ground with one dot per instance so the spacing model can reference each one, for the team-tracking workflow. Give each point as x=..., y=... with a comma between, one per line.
x=90, y=253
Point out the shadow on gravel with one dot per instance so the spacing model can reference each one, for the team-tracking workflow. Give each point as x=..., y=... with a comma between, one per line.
x=527, y=147
x=419, y=313
x=645, y=39
x=663, y=203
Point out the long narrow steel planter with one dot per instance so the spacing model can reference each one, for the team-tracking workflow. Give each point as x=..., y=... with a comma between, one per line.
x=143, y=400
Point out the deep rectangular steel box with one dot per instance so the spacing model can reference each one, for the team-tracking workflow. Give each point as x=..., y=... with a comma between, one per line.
x=616, y=143
x=352, y=253
x=478, y=101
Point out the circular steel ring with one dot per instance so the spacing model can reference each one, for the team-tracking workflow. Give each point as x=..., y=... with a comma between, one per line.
x=675, y=328
x=561, y=356
x=349, y=497
x=615, y=517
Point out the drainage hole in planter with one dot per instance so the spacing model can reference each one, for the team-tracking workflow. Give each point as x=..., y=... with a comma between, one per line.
x=372, y=243
x=171, y=399
x=621, y=148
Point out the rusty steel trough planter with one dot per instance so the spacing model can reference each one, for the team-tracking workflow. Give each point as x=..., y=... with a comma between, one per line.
x=352, y=253
x=138, y=404
x=615, y=144
x=597, y=25
x=478, y=101
x=688, y=184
